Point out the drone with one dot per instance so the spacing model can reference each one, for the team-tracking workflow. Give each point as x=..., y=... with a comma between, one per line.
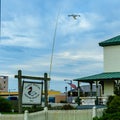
x=74, y=16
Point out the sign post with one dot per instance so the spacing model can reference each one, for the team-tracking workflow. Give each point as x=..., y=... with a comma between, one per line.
x=46, y=89
x=20, y=77
x=20, y=91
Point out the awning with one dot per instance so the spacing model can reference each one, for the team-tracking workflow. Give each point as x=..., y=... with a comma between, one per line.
x=100, y=77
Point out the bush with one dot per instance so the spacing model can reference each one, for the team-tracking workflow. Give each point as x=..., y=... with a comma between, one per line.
x=63, y=101
x=110, y=98
x=5, y=105
x=67, y=107
x=114, y=105
x=33, y=108
x=113, y=109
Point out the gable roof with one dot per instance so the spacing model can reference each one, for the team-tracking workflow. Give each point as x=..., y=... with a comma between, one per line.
x=101, y=76
x=111, y=42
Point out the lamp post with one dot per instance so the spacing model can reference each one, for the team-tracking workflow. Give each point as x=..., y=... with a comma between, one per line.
x=10, y=91
x=70, y=89
x=66, y=92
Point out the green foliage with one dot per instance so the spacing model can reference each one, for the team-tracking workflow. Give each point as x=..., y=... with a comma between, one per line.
x=110, y=98
x=14, y=105
x=63, y=101
x=96, y=118
x=114, y=105
x=33, y=108
x=113, y=109
x=5, y=105
x=78, y=101
x=117, y=90
x=114, y=116
x=55, y=108
x=64, y=107
x=67, y=107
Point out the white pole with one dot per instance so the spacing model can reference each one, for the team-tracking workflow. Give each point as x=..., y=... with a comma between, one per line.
x=94, y=112
x=26, y=115
x=53, y=45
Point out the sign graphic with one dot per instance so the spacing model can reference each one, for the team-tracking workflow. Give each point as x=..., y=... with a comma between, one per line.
x=32, y=92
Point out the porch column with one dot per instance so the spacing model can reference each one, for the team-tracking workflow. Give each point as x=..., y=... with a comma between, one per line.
x=117, y=87
x=102, y=87
x=96, y=101
x=91, y=89
x=78, y=93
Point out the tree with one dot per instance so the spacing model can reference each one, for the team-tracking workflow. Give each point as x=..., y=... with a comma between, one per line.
x=5, y=105
x=113, y=109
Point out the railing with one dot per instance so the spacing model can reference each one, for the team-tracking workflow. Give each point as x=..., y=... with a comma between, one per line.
x=91, y=100
x=56, y=115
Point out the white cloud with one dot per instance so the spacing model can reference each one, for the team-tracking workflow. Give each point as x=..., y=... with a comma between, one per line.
x=84, y=55
x=26, y=26
x=76, y=48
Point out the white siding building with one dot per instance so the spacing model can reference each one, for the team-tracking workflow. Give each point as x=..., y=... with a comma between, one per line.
x=111, y=49
x=110, y=78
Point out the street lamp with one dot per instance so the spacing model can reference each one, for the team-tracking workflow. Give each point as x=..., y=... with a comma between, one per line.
x=70, y=88
x=66, y=92
x=10, y=91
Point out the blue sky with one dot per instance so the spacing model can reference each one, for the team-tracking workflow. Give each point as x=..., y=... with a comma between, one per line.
x=27, y=31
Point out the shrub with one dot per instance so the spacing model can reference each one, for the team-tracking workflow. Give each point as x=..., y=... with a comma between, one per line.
x=113, y=109
x=110, y=98
x=5, y=105
x=114, y=105
x=33, y=108
x=67, y=107
x=63, y=101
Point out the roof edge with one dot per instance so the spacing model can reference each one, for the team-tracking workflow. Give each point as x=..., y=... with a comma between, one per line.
x=111, y=42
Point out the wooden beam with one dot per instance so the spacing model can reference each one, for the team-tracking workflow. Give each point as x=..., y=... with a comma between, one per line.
x=32, y=77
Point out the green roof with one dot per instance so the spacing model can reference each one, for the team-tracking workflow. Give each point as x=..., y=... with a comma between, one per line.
x=111, y=42
x=101, y=76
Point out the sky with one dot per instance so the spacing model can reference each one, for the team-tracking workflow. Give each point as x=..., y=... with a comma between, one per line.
x=28, y=29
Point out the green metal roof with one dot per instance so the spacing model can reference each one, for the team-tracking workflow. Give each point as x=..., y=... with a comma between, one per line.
x=101, y=76
x=111, y=42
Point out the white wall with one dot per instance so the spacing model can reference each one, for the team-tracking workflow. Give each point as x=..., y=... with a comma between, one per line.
x=108, y=88
x=112, y=58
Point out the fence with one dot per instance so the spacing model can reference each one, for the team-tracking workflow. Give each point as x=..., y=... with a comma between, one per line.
x=56, y=115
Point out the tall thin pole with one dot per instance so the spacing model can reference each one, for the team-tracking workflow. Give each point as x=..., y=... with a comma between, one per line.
x=79, y=93
x=0, y=19
x=70, y=89
x=96, y=93
x=53, y=45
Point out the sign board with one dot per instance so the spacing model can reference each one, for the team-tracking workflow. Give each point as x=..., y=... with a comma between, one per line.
x=32, y=93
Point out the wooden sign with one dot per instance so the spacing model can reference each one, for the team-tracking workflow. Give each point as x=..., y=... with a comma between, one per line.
x=32, y=93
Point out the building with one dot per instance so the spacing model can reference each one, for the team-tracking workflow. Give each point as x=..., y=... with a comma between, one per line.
x=4, y=83
x=72, y=95
x=53, y=96
x=111, y=75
